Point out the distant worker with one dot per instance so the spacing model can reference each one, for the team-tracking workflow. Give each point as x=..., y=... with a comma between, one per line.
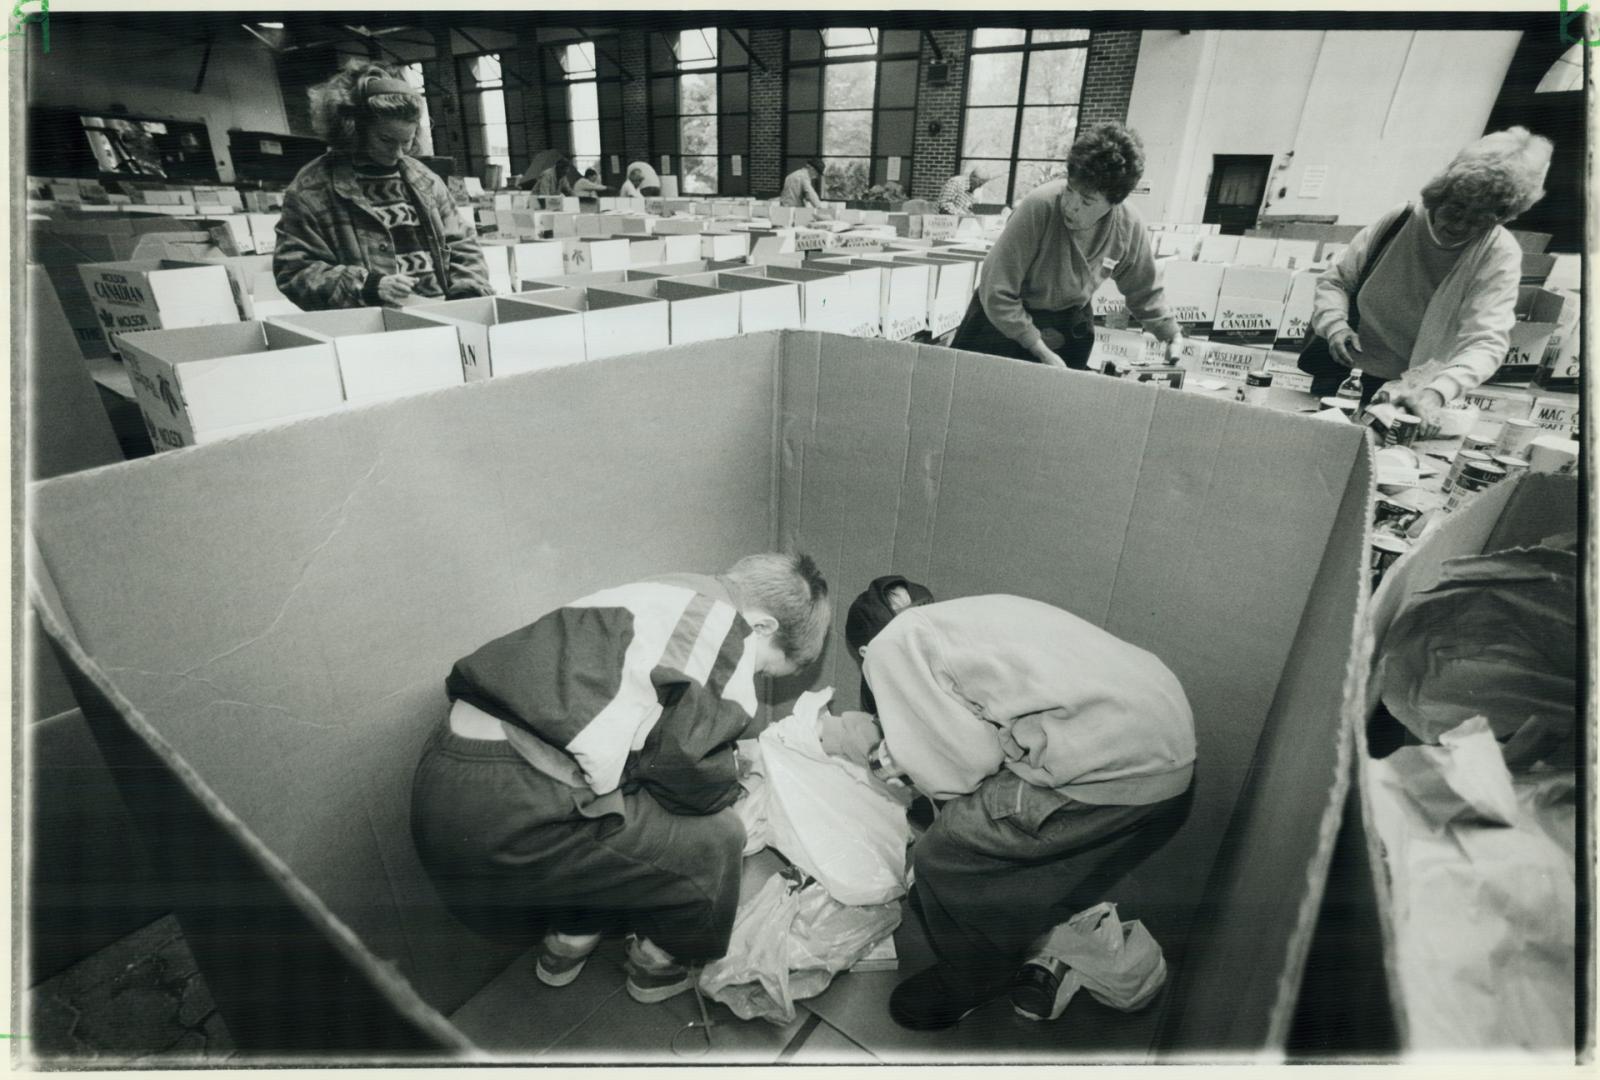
x=590, y=184
x=800, y=187
x=642, y=181
x=956, y=196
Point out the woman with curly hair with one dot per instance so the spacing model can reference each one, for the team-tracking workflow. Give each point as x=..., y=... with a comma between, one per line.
x=365, y=224
x=1063, y=239
x=1439, y=301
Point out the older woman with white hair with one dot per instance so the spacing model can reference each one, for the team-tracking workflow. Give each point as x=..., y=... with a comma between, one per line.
x=1438, y=300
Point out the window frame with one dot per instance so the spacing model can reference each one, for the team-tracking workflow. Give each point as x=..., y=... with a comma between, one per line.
x=718, y=72
x=879, y=56
x=553, y=76
x=1027, y=47
x=468, y=86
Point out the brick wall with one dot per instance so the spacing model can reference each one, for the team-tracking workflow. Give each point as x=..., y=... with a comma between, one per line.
x=524, y=102
x=633, y=50
x=1108, y=76
x=766, y=113
x=936, y=158
x=444, y=100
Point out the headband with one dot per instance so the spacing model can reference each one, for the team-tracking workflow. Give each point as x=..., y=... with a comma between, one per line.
x=381, y=85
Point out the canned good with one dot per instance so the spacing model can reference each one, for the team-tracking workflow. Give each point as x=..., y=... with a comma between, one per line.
x=1463, y=457
x=1514, y=466
x=1474, y=478
x=1256, y=387
x=1403, y=431
x=1516, y=436
x=1385, y=550
x=1395, y=517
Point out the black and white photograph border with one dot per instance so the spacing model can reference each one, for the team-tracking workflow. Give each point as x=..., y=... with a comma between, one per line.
x=571, y=397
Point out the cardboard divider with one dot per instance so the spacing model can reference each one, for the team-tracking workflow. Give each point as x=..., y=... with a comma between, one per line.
x=505, y=335
x=296, y=665
x=764, y=304
x=830, y=302
x=613, y=323
x=694, y=312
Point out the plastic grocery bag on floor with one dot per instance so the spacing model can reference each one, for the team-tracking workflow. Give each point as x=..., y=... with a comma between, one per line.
x=1496, y=637
x=1118, y=962
x=788, y=942
x=831, y=817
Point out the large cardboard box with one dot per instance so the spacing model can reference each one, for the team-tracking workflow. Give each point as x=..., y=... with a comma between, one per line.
x=158, y=294
x=950, y=286
x=1250, y=308
x=1255, y=251
x=1539, y=314
x=505, y=335
x=384, y=352
x=263, y=232
x=728, y=245
x=902, y=296
x=832, y=299
x=1192, y=290
x=1230, y=362
x=1294, y=254
x=267, y=693
x=579, y=256
x=1295, y=327
x=646, y=251
x=1181, y=245
x=614, y=323
x=208, y=382
x=694, y=312
x=1107, y=302
x=764, y=303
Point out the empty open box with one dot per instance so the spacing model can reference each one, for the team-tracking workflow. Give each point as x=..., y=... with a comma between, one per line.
x=505, y=335
x=764, y=303
x=384, y=352
x=614, y=323
x=831, y=298
x=203, y=383
x=694, y=312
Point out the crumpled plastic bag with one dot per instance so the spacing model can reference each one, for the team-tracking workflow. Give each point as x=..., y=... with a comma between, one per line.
x=1496, y=637
x=1118, y=962
x=1483, y=888
x=831, y=817
x=788, y=943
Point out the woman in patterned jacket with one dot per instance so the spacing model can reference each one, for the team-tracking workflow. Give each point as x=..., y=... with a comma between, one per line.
x=365, y=224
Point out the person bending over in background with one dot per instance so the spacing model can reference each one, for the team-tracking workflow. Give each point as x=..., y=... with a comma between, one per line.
x=366, y=224
x=590, y=184
x=642, y=181
x=1437, y=307
x=1064, y=238
x=956, y=195
x=800, y=187
x=584, y=773
x=1049, y=743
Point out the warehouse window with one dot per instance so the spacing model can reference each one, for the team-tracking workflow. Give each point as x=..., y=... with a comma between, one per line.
x=583, y=105
x=483, y=106
x=412, y=73
x=700, y=109
x=852, y=98
x=1023, y=93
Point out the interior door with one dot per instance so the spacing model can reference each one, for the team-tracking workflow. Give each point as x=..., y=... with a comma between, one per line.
x=1238, y=184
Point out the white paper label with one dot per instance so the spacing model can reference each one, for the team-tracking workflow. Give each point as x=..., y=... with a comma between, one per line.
x=616, y=164
x=893, y=170
x=737, y=165
x=666, y=164
x=1313, y=181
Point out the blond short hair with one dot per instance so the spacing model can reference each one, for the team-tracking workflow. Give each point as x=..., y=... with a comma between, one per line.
x=790, y=588
x=1500, y=176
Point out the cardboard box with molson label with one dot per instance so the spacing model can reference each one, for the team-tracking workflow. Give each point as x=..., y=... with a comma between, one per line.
x=204, y=383
x=158, y=294
x=1250, y=307
x=579, y=256
x=1563, y=356
x=613, y=323
x=351, y=572
x=1107, y=302
x=1539, y=314
x=384, y=352
x=505, y=335
x=764, y=303
x=694, y=312
x=902, y=296
x=1191, y=290
x=1295, y=326
x=950, y=286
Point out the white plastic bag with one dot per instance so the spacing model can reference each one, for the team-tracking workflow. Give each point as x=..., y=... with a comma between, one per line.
x=831, y=817
x=1118, y=962
x=787, y=944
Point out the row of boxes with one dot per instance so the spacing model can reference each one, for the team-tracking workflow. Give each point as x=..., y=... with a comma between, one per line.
x=1284, y=254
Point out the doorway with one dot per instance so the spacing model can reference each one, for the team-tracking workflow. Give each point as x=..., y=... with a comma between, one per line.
x=1238, y=184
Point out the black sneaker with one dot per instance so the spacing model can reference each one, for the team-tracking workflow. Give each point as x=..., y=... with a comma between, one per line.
x=934, y=999
x=649, y=984
x=1036, y=987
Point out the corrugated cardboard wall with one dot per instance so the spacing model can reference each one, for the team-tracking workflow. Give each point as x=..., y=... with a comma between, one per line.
x=285, y=606
x=1190, y=527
